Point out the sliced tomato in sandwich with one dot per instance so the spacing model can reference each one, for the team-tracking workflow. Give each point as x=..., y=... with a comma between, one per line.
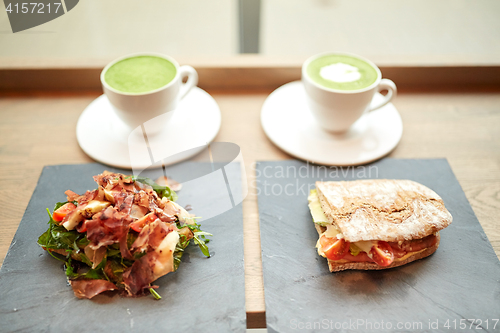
x=382, y=254
x=333, y=248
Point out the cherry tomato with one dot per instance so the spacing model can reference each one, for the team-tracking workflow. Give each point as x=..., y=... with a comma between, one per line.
x=334, y=249
x=382, y=254
x=62, y=211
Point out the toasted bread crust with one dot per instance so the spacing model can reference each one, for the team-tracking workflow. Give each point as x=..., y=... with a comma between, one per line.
x=383, y=209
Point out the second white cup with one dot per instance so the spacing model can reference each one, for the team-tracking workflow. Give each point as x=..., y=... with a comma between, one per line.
x=340, y=88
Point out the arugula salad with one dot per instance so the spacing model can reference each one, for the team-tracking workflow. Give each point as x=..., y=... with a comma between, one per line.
x=121, y=236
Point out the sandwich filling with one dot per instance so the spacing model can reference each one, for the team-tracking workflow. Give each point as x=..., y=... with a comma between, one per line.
x=333, y=245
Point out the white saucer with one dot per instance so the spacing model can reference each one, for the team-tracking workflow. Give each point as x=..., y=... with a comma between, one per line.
x=105, y=138
x=289, y=124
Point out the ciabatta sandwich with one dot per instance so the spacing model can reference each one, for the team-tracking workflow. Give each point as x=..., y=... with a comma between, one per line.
x=376, y=224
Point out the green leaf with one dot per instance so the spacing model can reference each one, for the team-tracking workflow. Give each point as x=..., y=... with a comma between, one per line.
x=70, y=272
x=201, y=244
x=66, y=239
x=112, y=252
x=55, y=256
x=60, y=204
x=116, y=269
x=92, y=273
x=85, y=259
x=178, y=252
x=154, y=293
x=202, y=233
x=200, y=241
x=44, y=238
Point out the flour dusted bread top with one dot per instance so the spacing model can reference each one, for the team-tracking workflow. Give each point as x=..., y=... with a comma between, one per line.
x=383, y=209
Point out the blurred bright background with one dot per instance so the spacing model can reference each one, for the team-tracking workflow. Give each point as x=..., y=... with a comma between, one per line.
x=388, y=31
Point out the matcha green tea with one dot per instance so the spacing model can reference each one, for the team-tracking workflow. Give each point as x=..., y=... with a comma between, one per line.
x=341, y=72
x=140, y=74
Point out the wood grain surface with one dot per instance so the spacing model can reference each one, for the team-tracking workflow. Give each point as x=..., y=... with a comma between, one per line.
x=39, y=129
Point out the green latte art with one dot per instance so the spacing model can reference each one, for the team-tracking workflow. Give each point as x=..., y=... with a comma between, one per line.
x=140, y=74
x=341, y=72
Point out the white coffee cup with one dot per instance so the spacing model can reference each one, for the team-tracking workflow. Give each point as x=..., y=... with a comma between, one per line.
x=135, y=109
x=336, y=110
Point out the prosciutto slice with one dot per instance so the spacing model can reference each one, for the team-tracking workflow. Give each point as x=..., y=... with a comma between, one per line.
x=107, y=227
x=88, y=196
x=81, y=199
x=126, y=206
x=142, y=199
x=90, y=288
x=72, y=196
x=140, y=275
x=151, y=236
x=95, y=256
x=115, y=181
x=159, y=241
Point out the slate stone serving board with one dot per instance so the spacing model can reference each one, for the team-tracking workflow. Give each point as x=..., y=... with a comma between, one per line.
x=204, y=294
x=457, y=289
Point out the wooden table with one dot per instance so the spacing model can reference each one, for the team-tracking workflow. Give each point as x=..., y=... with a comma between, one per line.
x=38, y=129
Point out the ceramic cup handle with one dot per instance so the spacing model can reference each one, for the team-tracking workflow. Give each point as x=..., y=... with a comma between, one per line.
x=192, y=79
x=385, y=84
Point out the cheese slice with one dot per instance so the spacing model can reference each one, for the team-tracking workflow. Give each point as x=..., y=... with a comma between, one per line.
x=165, y=262
x=366, y=246
x=93, y=207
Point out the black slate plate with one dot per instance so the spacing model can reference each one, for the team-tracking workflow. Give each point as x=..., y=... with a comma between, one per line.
x=202, y=295
x=456, y=289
